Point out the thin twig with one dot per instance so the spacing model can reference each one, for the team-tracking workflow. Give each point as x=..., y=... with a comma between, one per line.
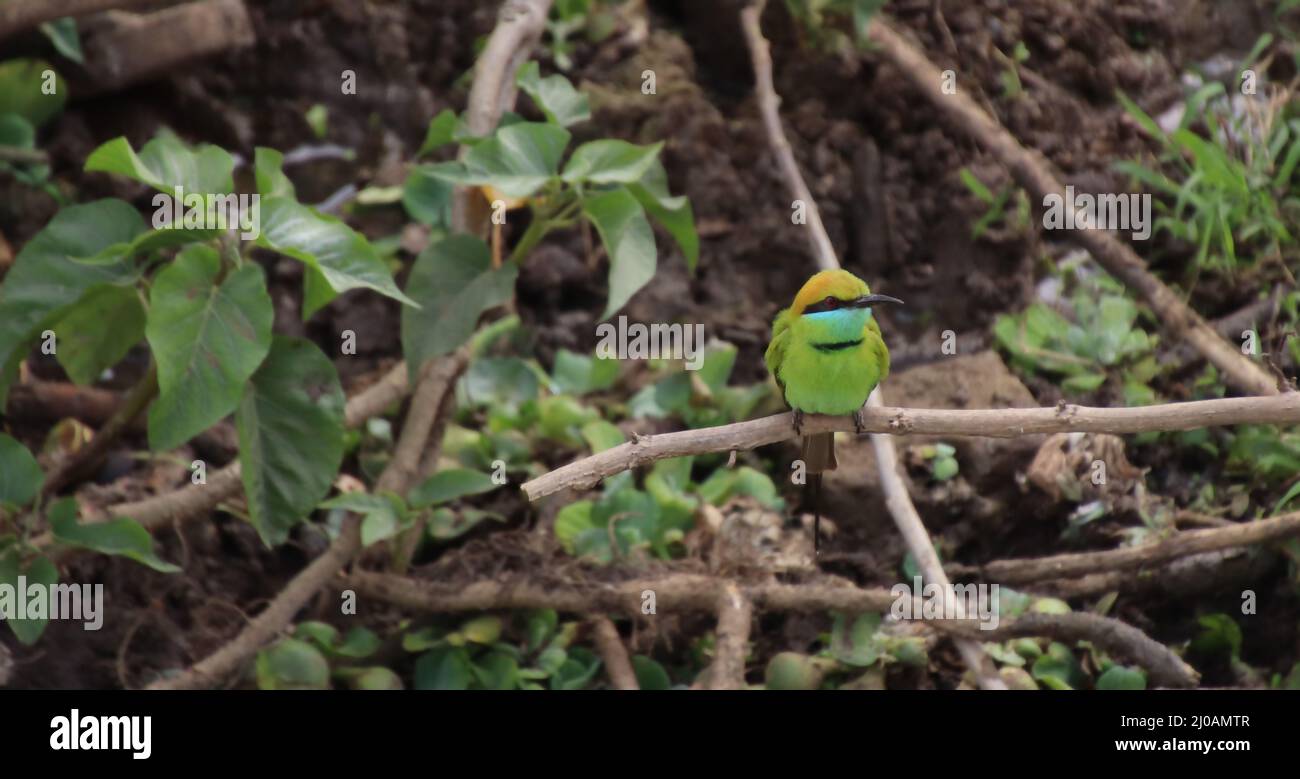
x=83, y=460
x=1035, y=174
x=995, y=423
x=23, y=156
x=1182, y=544
x=910, y=526
x=610, y=645
x=1167, y=669
x=735, y=615
x=769, y=104
x=212, y=669
x=19, y=15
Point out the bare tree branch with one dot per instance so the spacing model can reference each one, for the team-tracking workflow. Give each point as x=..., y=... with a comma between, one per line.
x=735, y=616
x=610, y=645
x=1167, y=669
x=769, y=104
x=691, y=592
x=19, y=15
x=998, y=423
x=1182, y=544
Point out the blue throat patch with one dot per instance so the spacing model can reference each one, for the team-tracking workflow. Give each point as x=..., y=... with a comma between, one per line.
x=840, y=326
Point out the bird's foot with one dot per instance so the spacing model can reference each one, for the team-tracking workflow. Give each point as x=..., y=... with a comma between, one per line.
x=798, y=422
x=859, y=424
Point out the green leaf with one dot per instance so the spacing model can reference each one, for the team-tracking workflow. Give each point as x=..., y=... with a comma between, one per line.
x=268, y=169
x=576, y=671
x=44, y=281
x=290, y=425
x=757, y=485
x=322, y=634
x=573, y=520
x=376, y=678
x=86, y=345
x=442, y=131
x=63, y=34
x=1120, y=677
x=517, y=160
x=610, y=162
x=856, y=644
x=446, y=486
x=601, y=435
x=445, y=524
x=40, y=573
x=427, y=198
x=383, y=515
x=21, y=477
x=650, y=675
x=674, y=213
x=454, y=282
x=498, y=382
x=578, y=374
x=318, y=120
x=359, y=642
x=554, y=95
x=16, y=131
x=32, y=89
x=146, y=244
x=166, y=163
x=342, y=257
x=944, y=468
x=628, y=240
x=446, y=668
x=292, y=665
x=122, y=536
x=207, y=339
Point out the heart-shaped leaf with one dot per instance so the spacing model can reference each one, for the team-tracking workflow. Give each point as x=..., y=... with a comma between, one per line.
x=166, y=163
x=341, y=258
x=44, y=281
x=446, y=486
x=290, y=424
x=86, y=345
x=610, y=162
x=121, y=536
x=554, y=95
x=208, y=338
x=454, y=282
x=517, y=159
x=20, y=475
x=40, y=576
x=628, y=240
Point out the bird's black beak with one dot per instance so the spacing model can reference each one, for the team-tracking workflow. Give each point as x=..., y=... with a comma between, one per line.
x=867, y=300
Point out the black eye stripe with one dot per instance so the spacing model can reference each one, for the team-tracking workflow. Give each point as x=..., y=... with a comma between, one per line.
x=825, y=305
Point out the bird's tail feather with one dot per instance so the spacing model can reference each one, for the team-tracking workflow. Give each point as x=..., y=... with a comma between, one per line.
x=818, y=456
x=819, y=452
x=815, y=497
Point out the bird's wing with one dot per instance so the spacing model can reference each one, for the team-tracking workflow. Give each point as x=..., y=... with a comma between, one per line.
x=882, y=351
x=775, y=354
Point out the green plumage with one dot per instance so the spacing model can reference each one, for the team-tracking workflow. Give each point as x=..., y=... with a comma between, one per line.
x=827, y=355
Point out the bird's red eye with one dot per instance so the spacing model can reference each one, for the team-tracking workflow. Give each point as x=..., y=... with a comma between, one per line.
x=829, y=300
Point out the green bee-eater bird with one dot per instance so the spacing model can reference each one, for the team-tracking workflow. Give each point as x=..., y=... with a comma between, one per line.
x=827, y=356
